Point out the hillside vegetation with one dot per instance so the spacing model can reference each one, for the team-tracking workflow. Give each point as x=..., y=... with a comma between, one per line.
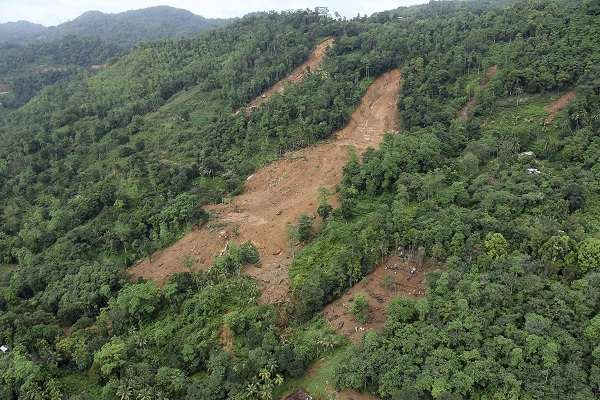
x=123, y=29
x=16, y=31
x=101, y=171
x=34, y=56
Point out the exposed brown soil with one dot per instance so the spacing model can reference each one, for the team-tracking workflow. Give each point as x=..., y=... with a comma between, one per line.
x=353, y=395
x=344, y=395
x=467, y=109
x=312, y=64
x=277, y=194
x=313, y=372
x=226, y=339
x=489, y=74
x=378, y=294
x=558, y=105
x=298, y=395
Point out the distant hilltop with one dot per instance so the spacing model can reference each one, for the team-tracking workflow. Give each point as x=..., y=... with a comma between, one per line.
x=126, y=28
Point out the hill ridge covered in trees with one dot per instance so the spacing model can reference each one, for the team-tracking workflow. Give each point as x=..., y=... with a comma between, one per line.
x=34, y=56
x=123, y=29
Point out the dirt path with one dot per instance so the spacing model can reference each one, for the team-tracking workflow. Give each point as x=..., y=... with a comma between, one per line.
x=277, y=194
x=467, y=109
x=313, y=63
x=391, y=278
x=558, y=105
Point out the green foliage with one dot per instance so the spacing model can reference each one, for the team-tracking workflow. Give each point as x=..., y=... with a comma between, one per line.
x=111, y=357
x=496, y=245
x=360, y=309
x=99, y=171
x=29, y=68
x=592, y=7
x=588, y=255
x=402, y=311
x=302, y=232
x=135, y=302
x=234, y=258
x=304, y=228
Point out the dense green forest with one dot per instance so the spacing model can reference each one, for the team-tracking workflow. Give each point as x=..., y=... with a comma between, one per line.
x=27, y=69
x=20, y=30
x=123, y=29
x=101, y=170
x=34, y=57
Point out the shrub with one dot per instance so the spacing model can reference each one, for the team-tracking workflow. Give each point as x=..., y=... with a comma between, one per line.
x=360, y=309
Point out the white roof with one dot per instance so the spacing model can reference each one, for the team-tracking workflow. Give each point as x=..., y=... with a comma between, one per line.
x=527, y=154
x=3, y=349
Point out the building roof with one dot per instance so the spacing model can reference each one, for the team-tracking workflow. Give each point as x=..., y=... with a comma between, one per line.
x=3, y=349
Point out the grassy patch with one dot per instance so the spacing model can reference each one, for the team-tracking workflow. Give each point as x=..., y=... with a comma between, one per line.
x=529, y=110
x=318, y=380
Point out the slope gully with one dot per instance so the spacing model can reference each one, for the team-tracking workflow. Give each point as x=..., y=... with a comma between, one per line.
x=276, y=196
x=312, y=64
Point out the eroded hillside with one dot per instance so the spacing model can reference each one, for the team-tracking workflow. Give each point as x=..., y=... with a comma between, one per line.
x=312, y=64
x=276, y=195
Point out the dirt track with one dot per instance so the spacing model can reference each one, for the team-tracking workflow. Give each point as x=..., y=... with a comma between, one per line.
x=558, y=105
x=467, y=109
x=277, y=194
x=313, y=63
x=378, y=295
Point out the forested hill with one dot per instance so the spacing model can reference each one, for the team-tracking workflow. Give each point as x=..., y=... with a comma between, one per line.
x=123, y=29
x=20, y=30
x=34, y=57
x=502, y=197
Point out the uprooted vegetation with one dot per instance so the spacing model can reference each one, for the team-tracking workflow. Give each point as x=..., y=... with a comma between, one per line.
x=554, y=108
x=364, y=306
x=312, y=64
x=466, y=111
x=279, y=194
x=104, y=170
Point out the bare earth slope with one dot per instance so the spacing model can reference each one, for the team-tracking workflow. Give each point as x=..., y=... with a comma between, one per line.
x=467, y=109
x=558, y=105
x=277, y=194
x=313, y=63
x=392, y=278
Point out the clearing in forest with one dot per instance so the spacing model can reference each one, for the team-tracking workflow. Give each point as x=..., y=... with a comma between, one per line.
x=558, y=105
x=318, y=381
x=394, y=277
x=277, y=195
x=467, y=109
x=312, y=64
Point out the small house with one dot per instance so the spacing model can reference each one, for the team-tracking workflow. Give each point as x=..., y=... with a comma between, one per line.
x=4, y=349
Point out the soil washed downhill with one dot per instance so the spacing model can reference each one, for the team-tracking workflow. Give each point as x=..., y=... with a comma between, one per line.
x=312, y=64
x=276, y=195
